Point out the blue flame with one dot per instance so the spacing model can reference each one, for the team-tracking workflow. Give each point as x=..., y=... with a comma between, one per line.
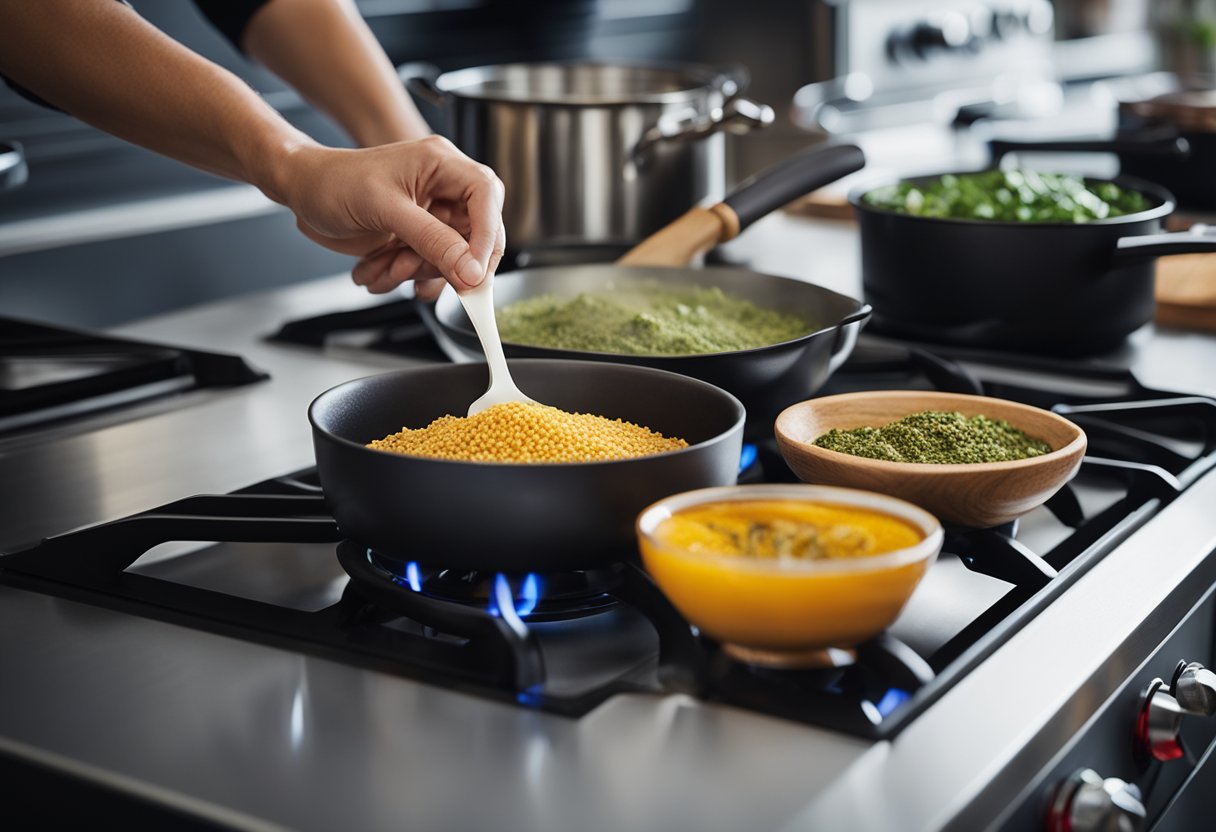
x=748, y=457
x=412, y=576
x=530, y=697
x=522, y=605
x=892, y=699
x=531, y=595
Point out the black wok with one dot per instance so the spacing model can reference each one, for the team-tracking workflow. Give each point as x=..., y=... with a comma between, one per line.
x=514, y=517
x=767, y=379
x=1055, y=288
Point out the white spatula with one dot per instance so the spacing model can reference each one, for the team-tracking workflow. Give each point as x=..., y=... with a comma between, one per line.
x=479, y=306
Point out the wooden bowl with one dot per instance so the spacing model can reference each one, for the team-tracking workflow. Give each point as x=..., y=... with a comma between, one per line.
x=977, y=494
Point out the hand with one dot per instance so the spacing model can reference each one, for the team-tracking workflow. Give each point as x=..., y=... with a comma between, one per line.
x=418, y=210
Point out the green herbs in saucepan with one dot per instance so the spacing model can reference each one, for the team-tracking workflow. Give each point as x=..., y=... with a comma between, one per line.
x=1010, y=196
x=937, y=436
x=647, y=319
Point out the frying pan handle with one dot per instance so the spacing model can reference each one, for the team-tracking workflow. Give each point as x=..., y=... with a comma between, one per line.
x=1147, y=144
x=846, y=337
x=700, y=229
x=1198, y=239
x=796, y=176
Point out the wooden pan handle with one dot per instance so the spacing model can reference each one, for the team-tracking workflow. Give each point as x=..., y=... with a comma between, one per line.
x=701, y=229
x=677, y=244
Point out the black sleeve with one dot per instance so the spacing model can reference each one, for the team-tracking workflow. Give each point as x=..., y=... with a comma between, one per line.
x=230, y=16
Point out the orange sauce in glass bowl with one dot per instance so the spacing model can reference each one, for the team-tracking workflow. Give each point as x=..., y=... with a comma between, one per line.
x=781, y=571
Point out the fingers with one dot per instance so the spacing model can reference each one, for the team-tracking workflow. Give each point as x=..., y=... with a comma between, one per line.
x=429, y=288
x=439, y=244
x=487, y=238
x=370, y=269
x=399, y=206
x=425, y=273
x=455, y=191
x=384, y=272
x=500, y=246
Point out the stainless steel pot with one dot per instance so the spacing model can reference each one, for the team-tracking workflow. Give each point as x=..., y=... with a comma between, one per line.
x=591, y=153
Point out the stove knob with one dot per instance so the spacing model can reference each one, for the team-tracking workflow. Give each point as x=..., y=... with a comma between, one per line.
x=1194, y=687
x=1085, y=802
x=1159, y=723
x=947, y=31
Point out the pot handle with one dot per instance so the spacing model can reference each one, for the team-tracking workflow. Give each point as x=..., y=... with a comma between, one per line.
x=738, y=116
x=419, y=78
x=1155, y=144
x=846, y=337
x=1198, y=239
x=732, y=79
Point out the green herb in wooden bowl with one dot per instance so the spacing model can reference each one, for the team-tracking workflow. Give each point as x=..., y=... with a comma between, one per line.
x=937, y=436
x=971, y=460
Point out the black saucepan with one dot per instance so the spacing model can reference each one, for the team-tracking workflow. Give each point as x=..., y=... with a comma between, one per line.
x=1055, y=288
x=514, y=517
x=1169, y=140
x=767, y=379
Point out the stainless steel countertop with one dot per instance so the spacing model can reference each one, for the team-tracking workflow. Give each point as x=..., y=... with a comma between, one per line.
x=261, y=737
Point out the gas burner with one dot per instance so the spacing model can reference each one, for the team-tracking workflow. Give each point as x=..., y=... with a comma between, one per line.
x=556, y=596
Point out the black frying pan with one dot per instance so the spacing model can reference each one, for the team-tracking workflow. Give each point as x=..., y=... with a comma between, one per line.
x=514, y=517
x=767, y=379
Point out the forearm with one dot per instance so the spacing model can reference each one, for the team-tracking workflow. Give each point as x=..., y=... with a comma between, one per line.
x=101, y=62
x=324, y=49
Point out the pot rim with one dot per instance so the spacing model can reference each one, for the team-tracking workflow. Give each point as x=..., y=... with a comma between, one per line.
x=700, y=78
x=343, y=390
x=925, y=549
x=860, y=312
x=1165, y=199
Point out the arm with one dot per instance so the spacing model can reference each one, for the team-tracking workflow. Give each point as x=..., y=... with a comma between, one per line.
x=324, y=49
x=406, y=209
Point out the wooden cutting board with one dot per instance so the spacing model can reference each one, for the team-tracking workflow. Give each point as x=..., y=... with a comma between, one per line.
x=823, y=203
x=1186, y=291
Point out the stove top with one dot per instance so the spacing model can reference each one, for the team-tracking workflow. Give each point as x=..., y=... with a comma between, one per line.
x=273, y=567
x=51, y=374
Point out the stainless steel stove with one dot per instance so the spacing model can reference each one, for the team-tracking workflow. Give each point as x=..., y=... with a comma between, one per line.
x=52, y=375
x=492, y=667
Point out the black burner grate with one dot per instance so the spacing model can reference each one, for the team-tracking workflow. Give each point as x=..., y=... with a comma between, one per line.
x=49, y=373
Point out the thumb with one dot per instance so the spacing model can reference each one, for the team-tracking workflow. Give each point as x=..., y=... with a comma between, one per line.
x=439, y=244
